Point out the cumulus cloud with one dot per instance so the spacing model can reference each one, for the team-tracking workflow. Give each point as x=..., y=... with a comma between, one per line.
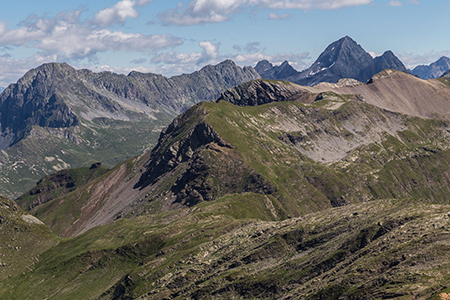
x=210, y=49
x=12, y=69
x=138, y=61
x=71, y=38
x=174, y=63
x=395, y=3
x=216, y=11
x=191, y=61
x=118, y=13
x=274, y=16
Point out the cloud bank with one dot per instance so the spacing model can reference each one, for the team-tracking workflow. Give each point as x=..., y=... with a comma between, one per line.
x=216, y=11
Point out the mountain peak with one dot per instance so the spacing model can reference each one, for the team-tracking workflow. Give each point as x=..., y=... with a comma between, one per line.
x=433, y=70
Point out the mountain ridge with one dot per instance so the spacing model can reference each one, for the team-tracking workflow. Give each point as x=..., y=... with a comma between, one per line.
x=78, y=112
x=245, y=201
x=341, y=59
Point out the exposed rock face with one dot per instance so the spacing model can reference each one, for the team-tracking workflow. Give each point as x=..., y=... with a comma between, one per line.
x=260, y=92
x=208, y=169
x=434, y=70
x=341, y=59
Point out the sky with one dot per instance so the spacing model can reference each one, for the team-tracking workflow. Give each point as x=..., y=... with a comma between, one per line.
x=174, y=37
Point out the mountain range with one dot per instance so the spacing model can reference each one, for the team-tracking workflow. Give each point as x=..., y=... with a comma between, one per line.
x=273, y=191
x=347, y=59
x=341, y=59
x=255, y=189
x=56, y=117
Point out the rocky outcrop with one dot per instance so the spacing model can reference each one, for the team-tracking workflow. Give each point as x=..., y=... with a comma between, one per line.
x=260, y=92
x=207, y=170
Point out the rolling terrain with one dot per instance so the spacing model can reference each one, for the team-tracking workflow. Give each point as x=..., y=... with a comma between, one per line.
x=274, y=191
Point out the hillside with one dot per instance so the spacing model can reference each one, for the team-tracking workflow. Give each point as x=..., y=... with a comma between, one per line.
x=275, y=191
x=56, y=117
x=302, y=157
x=399, y=92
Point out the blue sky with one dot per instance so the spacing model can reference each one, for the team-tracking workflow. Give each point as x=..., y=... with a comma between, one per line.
x=174, y=37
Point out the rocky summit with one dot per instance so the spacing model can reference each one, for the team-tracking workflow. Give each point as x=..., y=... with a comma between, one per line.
x=341, y=59
x=56, y=117
x=274, y=191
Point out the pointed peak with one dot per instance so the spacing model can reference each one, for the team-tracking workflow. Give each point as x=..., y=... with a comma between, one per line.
x=388, y=53
x=443, y=59
x=263, y=66
x=227, y=62
x=285, y=64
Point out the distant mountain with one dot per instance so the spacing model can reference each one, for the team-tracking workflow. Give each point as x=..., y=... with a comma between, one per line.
x=446, y=74
x=57, y=117
x=341, y=59
x=434, y=70
x=267, y=71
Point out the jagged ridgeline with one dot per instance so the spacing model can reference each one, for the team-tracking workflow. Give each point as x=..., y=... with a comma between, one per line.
x=276, y=191
x=341, y=59
x=56, y=117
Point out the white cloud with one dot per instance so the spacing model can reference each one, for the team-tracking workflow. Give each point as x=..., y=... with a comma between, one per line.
x=118, y=13
x=70, y=38
x=211, y=50
x=173, y=63
x=395, y=3
x=12, y=69
x=216, y=11
x=413, y=60
x=191, y=61
x=274, y=16
x=374, y=54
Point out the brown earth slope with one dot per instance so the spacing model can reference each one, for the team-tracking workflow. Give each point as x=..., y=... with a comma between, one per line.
x=399, y=92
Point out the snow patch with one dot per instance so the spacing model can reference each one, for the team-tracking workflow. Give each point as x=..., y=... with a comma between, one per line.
x=31, y=219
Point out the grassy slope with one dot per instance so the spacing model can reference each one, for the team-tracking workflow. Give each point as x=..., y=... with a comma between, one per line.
x=357, y=249
x=22, y=241
x=43, y=152
x=382, y=248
